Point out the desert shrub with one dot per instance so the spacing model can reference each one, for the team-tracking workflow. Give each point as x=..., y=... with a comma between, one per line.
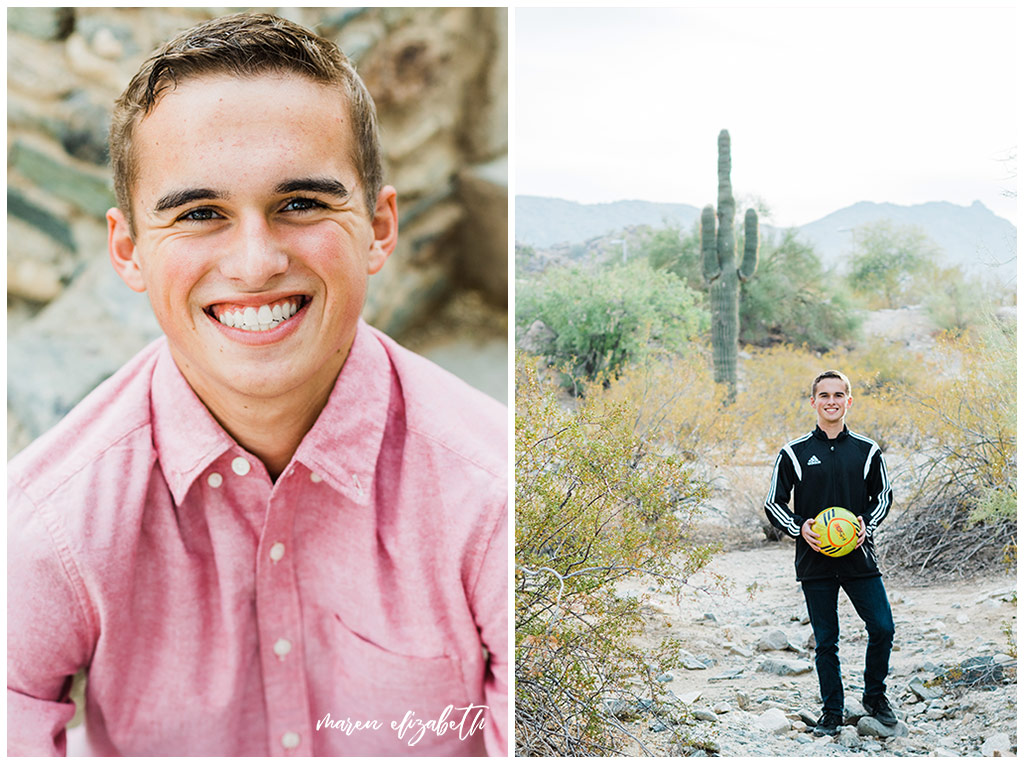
x=957, y=302
x=961, y=507
x=604, y=318
x=677, y=402
x=790, y=299
x=596, y=503
x=672, y=249
x=890, y=264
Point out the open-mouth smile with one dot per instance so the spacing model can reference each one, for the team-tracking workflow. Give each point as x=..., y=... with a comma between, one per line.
x=257, y=318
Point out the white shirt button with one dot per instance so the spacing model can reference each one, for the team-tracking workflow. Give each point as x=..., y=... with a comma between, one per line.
x=277, y=551
x=314, y=477
x=290, y=740
x=240, y=466
x=282, y=647
x=215, y=480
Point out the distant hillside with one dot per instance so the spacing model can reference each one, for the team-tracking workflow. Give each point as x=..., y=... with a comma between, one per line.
x=974, y=236
x=543, y=221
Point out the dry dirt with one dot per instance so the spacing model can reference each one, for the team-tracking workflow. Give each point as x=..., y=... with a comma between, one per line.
x=937, y=627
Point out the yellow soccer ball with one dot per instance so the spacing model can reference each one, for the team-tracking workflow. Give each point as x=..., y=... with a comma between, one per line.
x=837, y=528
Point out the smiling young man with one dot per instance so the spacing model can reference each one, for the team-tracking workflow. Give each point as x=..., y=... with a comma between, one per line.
x=274, y=531
x=834, y=467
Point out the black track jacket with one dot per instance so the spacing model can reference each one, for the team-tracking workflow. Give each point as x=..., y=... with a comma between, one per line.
x=821, y=473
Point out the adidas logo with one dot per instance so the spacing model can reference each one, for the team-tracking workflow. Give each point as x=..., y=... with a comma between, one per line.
x=813, y=460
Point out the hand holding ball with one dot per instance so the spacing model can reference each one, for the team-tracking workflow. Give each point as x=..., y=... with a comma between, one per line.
x=837, y=529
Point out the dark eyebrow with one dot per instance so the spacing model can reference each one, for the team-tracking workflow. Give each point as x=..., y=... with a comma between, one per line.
x=180, y=198
x=328, y=186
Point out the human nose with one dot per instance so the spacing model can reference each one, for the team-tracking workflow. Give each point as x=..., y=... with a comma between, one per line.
x=255, y=256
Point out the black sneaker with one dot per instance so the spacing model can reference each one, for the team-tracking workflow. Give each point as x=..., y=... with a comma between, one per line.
x=881, y=710
x=828, y=724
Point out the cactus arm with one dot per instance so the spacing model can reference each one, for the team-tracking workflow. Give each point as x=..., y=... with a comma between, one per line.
x=750, y=244
x=708, y=248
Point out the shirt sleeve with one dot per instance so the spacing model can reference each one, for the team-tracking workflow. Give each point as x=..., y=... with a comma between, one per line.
x=776, y=504
x=48, y=637
x=879, y=493
x=489, y=600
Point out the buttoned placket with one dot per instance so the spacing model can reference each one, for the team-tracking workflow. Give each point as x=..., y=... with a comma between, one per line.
x=279, y=622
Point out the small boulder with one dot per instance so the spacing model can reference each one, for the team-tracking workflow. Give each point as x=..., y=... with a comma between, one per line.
x=773, y=640
x=868, y=726
x=997, y=745
x=774, y=721
x=785, y=668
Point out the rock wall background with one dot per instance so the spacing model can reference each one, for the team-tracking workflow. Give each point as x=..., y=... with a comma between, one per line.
x=440, y=80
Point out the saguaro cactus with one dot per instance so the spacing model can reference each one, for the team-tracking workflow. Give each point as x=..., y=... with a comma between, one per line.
x=720, y=271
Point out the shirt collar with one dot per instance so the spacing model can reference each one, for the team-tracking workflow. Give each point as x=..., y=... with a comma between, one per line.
x=343, y=445
x=185, y=435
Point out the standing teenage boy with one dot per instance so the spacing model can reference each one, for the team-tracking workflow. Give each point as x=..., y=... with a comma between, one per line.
x=833, y=467
x=274, y=531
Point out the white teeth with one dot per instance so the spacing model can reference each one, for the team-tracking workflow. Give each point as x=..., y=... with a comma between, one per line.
x=256, y=320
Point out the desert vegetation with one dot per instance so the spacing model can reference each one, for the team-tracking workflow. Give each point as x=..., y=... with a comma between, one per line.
x=624, y=433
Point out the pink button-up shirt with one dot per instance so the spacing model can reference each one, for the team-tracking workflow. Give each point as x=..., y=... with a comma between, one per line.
x=357, y=606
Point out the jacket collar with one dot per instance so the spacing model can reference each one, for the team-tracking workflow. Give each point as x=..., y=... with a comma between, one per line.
x=820, y=434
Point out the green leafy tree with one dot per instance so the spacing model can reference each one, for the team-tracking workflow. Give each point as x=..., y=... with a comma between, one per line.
x=597, y=504
x=676, y=251
x=887, y=260
x=793, y=299
x=602, y=319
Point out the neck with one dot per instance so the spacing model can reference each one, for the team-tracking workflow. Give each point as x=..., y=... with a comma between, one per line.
x=270, y=428
x=832, y=429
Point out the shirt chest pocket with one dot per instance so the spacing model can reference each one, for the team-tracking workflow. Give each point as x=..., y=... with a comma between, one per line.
x=402, y=692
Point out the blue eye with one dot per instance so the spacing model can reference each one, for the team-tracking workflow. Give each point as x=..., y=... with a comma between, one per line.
x=302, y=204
x=199, y=214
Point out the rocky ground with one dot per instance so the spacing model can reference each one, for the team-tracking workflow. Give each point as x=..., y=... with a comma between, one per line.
x=749, y=688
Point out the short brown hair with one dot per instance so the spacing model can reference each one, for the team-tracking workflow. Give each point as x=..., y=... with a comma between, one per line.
x=245, y=45
x=830, y=374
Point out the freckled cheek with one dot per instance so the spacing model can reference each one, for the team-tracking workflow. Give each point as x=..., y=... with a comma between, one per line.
x=329, y=253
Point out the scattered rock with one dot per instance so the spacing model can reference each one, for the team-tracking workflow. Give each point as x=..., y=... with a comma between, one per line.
x=741, y=650
x=710, y=617
x=742, y=700
x=704, y=714
x=666, y=677
x=785, y=668
x=853, y=710
x=848, y=737
x=722, y=708
x=807, y=717
x=773, y=640
x=691, y=662
x=732, y=674
x=538, y=339
x=923, y=692
x=774, y=721
x=868, y=726
x=997, y=745
x=689, y=698
x=620, y=709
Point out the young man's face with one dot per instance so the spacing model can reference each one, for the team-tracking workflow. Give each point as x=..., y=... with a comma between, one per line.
x=831, y=401
x=253, y=237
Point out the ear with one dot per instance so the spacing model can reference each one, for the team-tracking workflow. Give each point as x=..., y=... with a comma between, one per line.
x=385, y=228
x=122, y=250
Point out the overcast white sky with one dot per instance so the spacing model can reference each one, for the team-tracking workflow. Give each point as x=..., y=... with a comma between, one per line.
x=826, y=106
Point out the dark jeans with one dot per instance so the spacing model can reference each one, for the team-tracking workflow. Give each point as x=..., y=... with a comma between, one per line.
x=872, y=605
